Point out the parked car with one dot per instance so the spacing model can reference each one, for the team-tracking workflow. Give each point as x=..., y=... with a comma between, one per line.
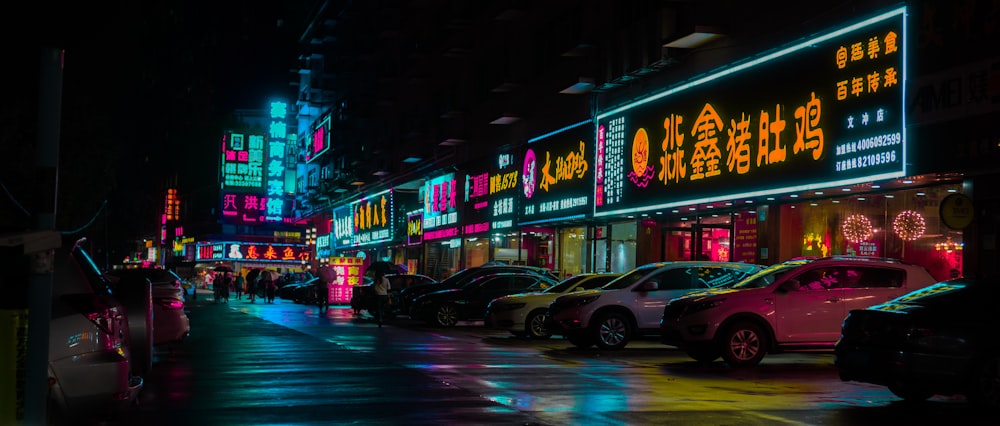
x=631, y=305
x=170, y=322
x=468, y=303
x=363, y=297
x=461, y=278
x=794, y=306
x=526, y=314
x=90, y=366
x=939, y=340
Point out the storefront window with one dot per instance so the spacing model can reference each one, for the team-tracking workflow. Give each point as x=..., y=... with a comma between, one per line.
x=477, y=251
x=623, y=246
x=572, y=246
x=904, y=224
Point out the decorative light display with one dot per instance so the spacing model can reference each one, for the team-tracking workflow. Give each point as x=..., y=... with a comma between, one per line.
x=949, y=246
x=857, y=228
x=909, y=225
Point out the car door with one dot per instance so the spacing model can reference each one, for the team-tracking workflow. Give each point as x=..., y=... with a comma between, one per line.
x=814, y=310
x=649, y=296
x=492, y=288
x=872, y=285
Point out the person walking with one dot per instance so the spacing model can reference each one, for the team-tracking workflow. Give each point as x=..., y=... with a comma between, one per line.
x=270, y=287
x=253, y=281
x=381, y=289
x=221, y=285
x=327, y=276
x=239, y=286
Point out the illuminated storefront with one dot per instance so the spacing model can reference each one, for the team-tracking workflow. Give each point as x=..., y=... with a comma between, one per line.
x=442, y=234
x=489, y=217
x=556, y=197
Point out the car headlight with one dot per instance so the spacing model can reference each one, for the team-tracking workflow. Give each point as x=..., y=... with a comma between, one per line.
x=703, y=306
x=501, y=307
x=579, y=301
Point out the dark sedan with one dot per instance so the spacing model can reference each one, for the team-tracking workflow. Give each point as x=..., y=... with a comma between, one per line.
x=940, y=340
x=363, y=296
x=461, y=278
x=468, y=303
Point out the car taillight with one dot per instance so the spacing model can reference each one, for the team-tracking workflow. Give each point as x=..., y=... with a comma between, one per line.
x=109, y=320
x=170, y=303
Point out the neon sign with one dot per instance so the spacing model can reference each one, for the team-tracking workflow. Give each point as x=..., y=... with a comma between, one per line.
x=255, y=252
x=440, y=202
x=839, y=122
x=242, y=161
x=562, y=173
x=319, y=140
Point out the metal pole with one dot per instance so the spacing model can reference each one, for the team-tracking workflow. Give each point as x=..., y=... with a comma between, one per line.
x=47, y=179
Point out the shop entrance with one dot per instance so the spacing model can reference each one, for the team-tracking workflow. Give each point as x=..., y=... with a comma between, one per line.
x=690, y=240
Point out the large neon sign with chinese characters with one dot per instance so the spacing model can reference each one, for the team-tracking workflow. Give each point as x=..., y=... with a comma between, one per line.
x=823, y=112
x=490, y=194
x=441, y=204
x=252, y=252
x=319, y=140
x=558, y=175
x=369, y=220
x=242, y=161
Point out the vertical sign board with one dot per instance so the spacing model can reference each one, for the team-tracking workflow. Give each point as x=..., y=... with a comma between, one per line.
x=349, y=272
x=253, y=173
x=477, y=212
x=558, y=175
x=441, y=205
x=415, y=228
x=823, y=112
x=342, y=227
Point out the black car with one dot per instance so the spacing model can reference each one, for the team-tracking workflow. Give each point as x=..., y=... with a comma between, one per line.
x=468, y=303
x=460, y=278
x=940, y=340
x=363, y=296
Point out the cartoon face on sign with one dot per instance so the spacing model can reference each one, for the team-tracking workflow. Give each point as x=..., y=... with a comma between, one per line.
x=528, y=174
x=642, y=171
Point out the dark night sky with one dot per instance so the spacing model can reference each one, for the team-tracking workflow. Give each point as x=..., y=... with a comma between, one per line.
x=146, y=89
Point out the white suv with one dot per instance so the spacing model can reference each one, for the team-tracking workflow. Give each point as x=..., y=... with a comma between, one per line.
x=632, y=305
x=795, y=306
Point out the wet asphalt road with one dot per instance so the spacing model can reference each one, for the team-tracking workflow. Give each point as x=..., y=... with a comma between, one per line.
x=288, y=364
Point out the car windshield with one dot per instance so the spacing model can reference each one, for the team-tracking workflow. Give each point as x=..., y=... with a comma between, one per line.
x=565, y=285
x=769, y=275
x=630, y=278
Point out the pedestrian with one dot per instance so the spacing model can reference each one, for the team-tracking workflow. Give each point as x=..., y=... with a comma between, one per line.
x=327, y=276
x=381, y=289
x=221, y=287
x=270, y=287
x=239, y=285
x=252, y=282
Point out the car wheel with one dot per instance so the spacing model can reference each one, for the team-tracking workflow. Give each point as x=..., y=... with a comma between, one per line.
x=535, y=325
x=744, y=345
x=580, y=339
x=985, y=392
x=446, y=315
x=613, y=331
x=909, y=393
x=703, y=353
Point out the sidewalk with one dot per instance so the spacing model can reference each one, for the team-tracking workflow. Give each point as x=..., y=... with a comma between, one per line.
x=239, y=367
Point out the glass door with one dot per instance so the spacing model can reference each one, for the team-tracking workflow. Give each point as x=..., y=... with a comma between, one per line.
x=707, y=239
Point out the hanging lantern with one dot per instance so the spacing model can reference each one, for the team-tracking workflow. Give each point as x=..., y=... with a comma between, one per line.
x=857, y=228
x=909, y=225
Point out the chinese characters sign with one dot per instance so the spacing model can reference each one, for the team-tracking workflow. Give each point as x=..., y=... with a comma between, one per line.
x=558, y=175
x=366, y=221
x=414, y=228
x=441, y=204
x=824, y=112
x=255, y=252
x=319, y=140
x=349, y=271
x=242, y=161
x=490, y=193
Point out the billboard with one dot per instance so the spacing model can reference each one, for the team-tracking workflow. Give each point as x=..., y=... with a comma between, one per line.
x=822, y=112
x=557, y=178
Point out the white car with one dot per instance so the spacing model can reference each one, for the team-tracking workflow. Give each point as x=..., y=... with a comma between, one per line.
x=632, y=305
x=794, y=306
x=90, y=368
x=525, y=314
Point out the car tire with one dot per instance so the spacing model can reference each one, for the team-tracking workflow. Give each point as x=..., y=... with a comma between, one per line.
x=581, y=340
x=744, y=344
x=446, y=315
x=612, y=331
x=909, y=393
x=138, y=301
x=985, y=391
x=703, y=353
x=534, y=325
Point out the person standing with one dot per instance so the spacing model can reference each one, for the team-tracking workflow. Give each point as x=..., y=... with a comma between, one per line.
x=252, y=283
x=381, y=289
x=327, y=276
x=239, y=285
x=270, y=287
